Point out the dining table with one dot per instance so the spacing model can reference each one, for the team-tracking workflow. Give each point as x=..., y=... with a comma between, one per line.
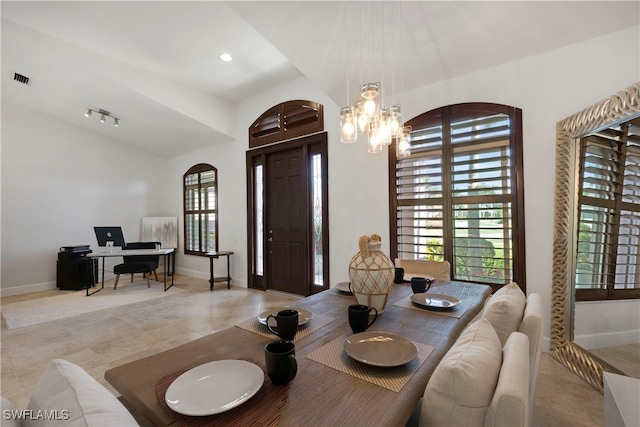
x=330, y=387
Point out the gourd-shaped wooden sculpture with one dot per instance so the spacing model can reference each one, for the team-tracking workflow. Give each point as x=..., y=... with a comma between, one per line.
x=371, y=273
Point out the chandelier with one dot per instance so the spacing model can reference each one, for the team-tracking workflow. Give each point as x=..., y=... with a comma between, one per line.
x=367, y=116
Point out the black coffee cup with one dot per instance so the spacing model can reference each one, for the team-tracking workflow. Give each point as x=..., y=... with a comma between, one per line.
x=399, y=275
x=286, y=324
x=280, y=358
x=359, y=317
x=420, y=285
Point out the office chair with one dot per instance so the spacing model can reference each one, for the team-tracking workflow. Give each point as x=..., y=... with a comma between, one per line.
x=145, y=264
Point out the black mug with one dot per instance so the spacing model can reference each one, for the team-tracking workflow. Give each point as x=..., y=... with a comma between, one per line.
x=286, y=323
x=280, y=358
x=399, y=275
x=420, y=285
x=359, y=317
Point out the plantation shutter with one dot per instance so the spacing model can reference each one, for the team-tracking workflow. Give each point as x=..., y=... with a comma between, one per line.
x=481, y=198
x=455, y=195
x=420, y=201
x=607, y=262
x=287, y=120
x=200, y=209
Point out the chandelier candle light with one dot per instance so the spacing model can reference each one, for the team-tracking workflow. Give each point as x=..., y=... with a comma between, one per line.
x=368, y=116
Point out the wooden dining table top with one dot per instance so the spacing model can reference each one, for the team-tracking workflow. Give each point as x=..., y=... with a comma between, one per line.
x=319, y=395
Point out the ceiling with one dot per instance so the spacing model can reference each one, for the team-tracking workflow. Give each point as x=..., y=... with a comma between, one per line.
x=155, y=65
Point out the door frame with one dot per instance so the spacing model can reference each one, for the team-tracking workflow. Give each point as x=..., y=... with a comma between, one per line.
x=311, y=144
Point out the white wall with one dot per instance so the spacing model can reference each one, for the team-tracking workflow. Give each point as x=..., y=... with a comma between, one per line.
x=358, y=188
x=608, y=324
x=58, y=181
x=547, y=87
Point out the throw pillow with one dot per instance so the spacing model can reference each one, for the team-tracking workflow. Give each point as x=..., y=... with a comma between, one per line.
x=505, y=310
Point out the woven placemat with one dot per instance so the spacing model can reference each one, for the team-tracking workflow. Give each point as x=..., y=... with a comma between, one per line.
x=316, y=322
x=394, y=378
x=456, y=311
x=263, y=409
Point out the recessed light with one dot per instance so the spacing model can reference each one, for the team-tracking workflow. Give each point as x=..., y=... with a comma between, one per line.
x=225, y=57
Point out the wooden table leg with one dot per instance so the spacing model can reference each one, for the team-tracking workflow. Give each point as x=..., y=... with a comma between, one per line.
x=228, y=272
x=210, y=273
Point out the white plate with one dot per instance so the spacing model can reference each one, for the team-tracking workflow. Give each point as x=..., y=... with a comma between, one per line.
x=344, y=287
x=380, y=348
x=304, y=316
x=408, y=277
x=214, y=387
x=435, y=300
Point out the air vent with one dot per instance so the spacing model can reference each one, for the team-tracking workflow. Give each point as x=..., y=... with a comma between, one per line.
x=21, y=79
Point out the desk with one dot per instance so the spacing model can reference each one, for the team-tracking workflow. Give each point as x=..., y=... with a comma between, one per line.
x=212, y=280
x=168, y=253
x=319, y=395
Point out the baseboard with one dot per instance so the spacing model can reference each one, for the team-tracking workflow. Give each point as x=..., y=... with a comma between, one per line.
x=37, y=287
x=192, y=273
x=27, y=289
x=285, y=294
x=205, y=275
x=609, y=339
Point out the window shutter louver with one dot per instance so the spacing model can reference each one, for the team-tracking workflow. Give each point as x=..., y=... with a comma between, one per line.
x=607, y=262
x=454, y=194
x=480, y=189
x=200, y=210
x=287, y=120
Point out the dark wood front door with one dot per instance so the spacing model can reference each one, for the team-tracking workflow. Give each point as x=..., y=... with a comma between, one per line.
x=287, y=221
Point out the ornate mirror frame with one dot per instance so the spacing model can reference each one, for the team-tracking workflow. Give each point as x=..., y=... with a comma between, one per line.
x=620, y=107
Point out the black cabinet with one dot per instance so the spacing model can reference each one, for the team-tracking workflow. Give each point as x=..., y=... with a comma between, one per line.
x=74, y=269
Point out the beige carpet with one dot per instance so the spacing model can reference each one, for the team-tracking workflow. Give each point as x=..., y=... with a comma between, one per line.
x=73, y=303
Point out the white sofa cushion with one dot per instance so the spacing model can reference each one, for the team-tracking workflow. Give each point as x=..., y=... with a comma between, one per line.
x=505, y=309
x=76, y=399
x=462, y=385
x=510, y=404
x=8, y=416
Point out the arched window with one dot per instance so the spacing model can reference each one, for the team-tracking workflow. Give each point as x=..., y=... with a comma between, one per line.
x=459, y=195
x=200, y=209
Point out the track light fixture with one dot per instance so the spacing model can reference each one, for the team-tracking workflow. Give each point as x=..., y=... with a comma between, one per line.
x=103, y=115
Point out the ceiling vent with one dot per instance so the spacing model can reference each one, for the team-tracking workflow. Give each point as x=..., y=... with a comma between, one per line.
x=21, y=79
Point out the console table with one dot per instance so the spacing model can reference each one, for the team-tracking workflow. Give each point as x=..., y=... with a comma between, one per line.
x=212, y=279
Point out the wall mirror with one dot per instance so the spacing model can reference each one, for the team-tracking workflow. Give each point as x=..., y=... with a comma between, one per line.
x=621, y=107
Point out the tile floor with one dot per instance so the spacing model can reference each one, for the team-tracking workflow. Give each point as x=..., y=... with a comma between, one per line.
x=108, y=338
